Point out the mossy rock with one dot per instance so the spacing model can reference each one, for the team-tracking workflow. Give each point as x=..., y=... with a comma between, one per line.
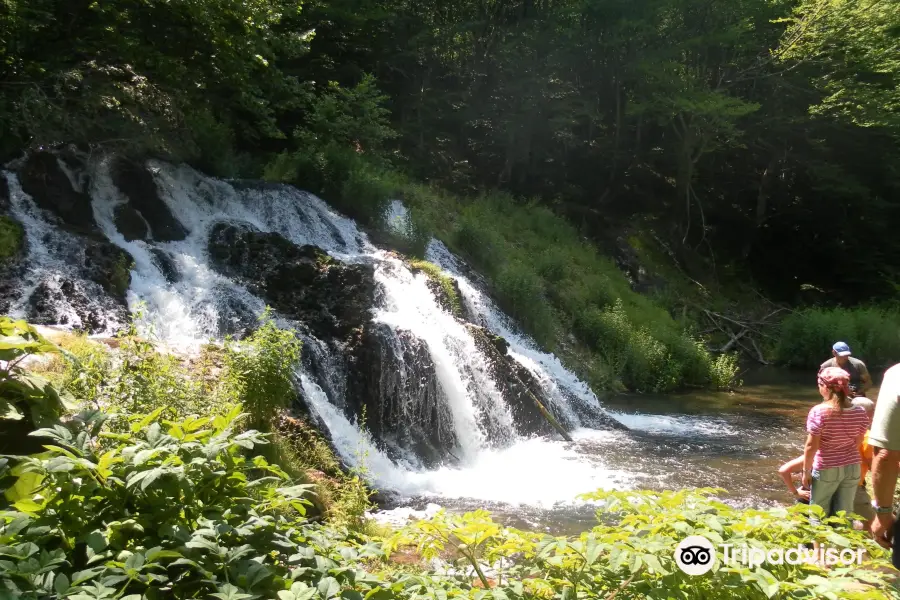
x=445, y=288
x=12, y=239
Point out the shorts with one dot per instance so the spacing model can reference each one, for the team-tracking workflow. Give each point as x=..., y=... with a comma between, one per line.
x=862, y=504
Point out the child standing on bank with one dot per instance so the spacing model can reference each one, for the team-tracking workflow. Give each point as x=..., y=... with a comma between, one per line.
x=831, y=460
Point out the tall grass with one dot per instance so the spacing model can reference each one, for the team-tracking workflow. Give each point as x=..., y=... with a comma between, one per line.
x=806, y=337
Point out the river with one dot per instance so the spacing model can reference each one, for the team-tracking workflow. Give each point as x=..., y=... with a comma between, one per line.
x=731, y=440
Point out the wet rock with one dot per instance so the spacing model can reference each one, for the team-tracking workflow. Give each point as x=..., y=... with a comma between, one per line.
x=44, y=180
x=392, y=375
x=45, y=302
x=301, y=282
x=516, y=383
x=445, y=288
x=109, y=266
x=4, y=195
x=130, y=223
x=136, y=182
x=166, y=265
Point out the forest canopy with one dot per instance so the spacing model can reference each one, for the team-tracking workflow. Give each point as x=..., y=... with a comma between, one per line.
x=742, y=133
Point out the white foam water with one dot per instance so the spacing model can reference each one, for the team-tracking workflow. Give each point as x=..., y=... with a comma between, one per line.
x=676, y=425
x=52, y=254
x=561, y=385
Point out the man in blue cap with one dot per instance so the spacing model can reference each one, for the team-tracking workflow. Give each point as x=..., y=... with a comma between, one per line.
x=860, y=381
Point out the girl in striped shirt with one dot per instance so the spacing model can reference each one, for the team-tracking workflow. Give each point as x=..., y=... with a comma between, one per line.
x=831, y=462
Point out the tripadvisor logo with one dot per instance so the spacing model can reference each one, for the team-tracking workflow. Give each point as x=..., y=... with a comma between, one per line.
x=696, y=555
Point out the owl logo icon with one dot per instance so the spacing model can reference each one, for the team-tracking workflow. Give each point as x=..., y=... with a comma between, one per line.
x=695, y=555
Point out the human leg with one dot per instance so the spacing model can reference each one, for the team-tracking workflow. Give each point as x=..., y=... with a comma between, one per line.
x=848, y=483
x=825, y=483
x=862, y=505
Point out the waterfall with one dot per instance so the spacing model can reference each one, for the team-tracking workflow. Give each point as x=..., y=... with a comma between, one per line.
x=445, y=424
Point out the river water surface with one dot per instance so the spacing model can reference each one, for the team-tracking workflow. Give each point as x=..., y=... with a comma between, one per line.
x=734, y=441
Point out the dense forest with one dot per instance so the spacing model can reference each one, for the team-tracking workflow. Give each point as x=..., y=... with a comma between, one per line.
x=750, y=134
x=752, y=145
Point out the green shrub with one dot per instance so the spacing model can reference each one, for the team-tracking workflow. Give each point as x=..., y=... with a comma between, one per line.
x=11, y=238
x=25, y=396
x=630, y=555
x=169, y=510
x=805, y=337
x=259, y=372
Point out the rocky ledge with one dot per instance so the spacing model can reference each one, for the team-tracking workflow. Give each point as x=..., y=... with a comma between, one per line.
x=301, y=282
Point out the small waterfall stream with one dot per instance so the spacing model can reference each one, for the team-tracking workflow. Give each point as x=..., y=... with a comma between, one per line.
x=437, y=385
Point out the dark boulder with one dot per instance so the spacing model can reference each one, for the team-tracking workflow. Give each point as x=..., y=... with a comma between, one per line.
x=166, y=265
x=519, y=387
x=47, y=306
x=136, y=182
x=391, y=374
x=42, y=178
x=301, y=282
x=130, y=223
x=4, y=195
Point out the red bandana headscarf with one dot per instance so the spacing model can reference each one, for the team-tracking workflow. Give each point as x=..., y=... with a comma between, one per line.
x=836, y=379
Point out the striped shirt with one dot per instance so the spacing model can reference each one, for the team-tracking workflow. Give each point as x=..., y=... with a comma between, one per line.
x=838, y=432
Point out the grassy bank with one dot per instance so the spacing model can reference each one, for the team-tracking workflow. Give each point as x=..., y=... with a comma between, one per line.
x=805, y=337
x=125, y=504
x=556, y=285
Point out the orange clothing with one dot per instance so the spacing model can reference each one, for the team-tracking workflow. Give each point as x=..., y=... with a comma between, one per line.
x=866, y=452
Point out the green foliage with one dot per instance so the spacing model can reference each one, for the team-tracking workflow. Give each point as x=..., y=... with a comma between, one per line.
x=260, y=369
x=120, y=277
x=806, y=336
x=170, y=509
x=435, y=273
x=631, y=553
x=855, y=42
x=103, y=73
x=24, y=394
x=11, y=238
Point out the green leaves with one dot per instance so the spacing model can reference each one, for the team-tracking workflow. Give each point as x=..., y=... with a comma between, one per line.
x=23, y=395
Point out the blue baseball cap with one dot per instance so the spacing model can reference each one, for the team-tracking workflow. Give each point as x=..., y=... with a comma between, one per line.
x=841, y=349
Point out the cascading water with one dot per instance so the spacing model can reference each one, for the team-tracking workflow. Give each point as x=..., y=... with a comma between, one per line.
x=185, y=299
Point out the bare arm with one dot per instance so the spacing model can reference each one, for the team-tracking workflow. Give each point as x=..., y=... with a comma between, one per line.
x=884, y=475
x=812, y=446
x=865, y=381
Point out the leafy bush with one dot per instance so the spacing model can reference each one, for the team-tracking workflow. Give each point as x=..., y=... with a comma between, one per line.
x=805, y=337
x=168, y=510
x=631, y=553
x=26, y=395
x=260, y=370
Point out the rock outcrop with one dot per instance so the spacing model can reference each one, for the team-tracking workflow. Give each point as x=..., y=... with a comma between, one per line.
x=43, y=178
x=519, y=387
x=101, y=308
x=145, y=215
x=301, y=282
x=391, y=374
